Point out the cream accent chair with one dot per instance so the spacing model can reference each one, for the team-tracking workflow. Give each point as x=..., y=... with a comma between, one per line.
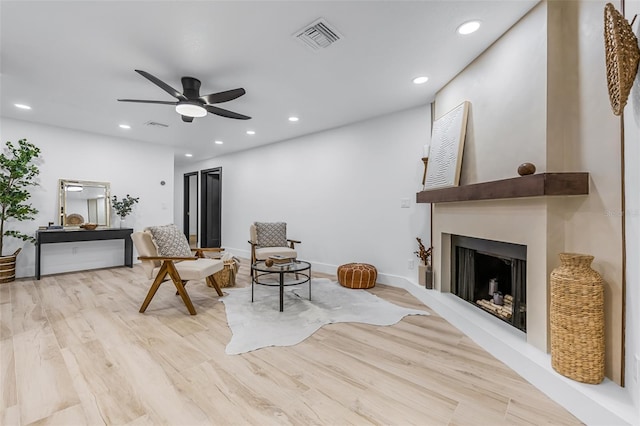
x=178, y=269
x=263, y=253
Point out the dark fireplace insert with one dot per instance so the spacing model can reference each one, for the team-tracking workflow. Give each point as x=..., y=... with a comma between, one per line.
x=492, y=275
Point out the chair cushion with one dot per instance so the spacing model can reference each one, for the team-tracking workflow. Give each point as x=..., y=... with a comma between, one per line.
x=271, y=234
x=264, y=253
x=170, y=241
x=196, y=269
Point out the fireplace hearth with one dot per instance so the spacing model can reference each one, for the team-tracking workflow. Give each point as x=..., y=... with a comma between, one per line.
x=492, y=276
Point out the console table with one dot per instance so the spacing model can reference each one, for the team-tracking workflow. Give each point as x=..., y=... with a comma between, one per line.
x=45, y=236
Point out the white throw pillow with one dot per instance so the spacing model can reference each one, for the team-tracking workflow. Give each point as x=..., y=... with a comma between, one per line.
x=170, y=241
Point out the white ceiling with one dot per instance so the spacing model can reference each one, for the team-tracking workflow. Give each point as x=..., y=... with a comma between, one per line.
x=71, y=60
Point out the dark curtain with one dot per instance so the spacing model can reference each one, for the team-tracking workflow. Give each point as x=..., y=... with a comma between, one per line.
x=519, y=282
x=465, y=273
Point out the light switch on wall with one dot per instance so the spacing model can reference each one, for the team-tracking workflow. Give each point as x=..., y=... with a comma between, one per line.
x=405, y=203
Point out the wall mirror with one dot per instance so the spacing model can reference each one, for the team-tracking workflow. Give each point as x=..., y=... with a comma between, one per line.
x=83, y=201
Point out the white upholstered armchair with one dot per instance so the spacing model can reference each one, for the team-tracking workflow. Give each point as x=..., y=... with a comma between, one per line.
x=270, y=239
x=165, y=254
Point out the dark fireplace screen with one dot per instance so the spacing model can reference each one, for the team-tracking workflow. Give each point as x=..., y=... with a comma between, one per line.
x=493, y=276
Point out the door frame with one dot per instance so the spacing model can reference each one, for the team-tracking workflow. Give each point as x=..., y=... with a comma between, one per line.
x=204, y=198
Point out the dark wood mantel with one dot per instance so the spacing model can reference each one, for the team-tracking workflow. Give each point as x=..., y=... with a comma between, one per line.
x=524, y=186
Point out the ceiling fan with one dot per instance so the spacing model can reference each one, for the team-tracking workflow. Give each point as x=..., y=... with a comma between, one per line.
x=190, y=103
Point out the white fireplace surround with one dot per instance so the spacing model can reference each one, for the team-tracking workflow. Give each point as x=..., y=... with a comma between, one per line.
x=538, y=223
x=518, y=221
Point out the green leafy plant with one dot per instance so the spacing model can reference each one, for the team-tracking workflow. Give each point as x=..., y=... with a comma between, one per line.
x=18, y=172
x=123, y=207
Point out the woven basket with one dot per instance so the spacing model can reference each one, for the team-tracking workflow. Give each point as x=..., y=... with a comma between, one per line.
x=227, y=276
x=577, y=319
x=622, y=56
x=8, y=267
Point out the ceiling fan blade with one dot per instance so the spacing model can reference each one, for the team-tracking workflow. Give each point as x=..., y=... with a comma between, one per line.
x=148, y=102
x=229, y=95
x=187, y=119
x=164, y=86
x=224, y=113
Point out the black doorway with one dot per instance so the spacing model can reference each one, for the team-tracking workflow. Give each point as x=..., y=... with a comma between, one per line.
x=190, y=208
x=211, y=201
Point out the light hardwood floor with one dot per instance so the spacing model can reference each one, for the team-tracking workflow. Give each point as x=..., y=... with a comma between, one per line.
x=74, y=350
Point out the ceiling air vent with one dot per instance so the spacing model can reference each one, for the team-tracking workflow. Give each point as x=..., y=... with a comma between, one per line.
x=156, y=124
x=318, y=35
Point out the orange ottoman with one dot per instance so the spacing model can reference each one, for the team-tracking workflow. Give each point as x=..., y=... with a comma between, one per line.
x=357, y=275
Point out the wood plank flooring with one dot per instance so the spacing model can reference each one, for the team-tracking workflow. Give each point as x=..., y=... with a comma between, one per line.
x=75, y=351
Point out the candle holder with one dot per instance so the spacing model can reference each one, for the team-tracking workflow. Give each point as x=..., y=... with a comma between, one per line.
x=425, y=160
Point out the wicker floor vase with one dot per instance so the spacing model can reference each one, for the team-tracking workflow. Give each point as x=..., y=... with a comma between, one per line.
x=577, y=319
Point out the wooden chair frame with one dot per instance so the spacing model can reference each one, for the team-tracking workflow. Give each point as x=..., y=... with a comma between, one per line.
x=168, y=268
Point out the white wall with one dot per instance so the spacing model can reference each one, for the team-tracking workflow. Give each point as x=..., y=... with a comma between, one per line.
x=632, y=179
x=339, y=192
x=131, y=167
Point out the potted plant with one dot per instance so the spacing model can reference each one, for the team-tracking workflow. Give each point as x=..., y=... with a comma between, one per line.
x=17, y=173
x=425, y=272
x=123, y=207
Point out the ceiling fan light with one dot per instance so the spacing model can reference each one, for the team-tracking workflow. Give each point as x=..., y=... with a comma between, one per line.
x=190, y=109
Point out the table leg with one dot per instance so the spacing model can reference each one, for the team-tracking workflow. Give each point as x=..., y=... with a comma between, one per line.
x=253, y=279
x=128, y=252
x=37, y=261
x=309, y=283
x=281, y=291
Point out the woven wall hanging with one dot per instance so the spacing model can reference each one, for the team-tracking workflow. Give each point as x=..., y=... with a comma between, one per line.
x=622, y=55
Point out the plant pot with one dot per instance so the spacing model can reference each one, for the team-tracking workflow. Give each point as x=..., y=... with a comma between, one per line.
x=8, y=267
x=425, y=275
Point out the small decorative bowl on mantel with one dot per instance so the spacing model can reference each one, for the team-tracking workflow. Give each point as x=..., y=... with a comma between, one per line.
x=526, y=169
x=89, y=226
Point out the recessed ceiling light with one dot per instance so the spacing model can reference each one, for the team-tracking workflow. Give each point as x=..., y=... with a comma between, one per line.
x=420, y=80
x=218, y=142
x=124, y=126
x=188, y=155
x=468, y=27
x=251, y=132
x=22, y=106
x=293, y=118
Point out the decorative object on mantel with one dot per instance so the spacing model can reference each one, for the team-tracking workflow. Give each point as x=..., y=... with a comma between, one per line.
x=622, y=56
x=18, y=172
x=425, y=270
x=577, y=319
x=123, y=207
x=425, y=161
x=526, y=169
x=447, y=146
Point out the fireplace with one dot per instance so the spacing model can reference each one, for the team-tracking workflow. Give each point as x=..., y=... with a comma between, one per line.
x=492, y=276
